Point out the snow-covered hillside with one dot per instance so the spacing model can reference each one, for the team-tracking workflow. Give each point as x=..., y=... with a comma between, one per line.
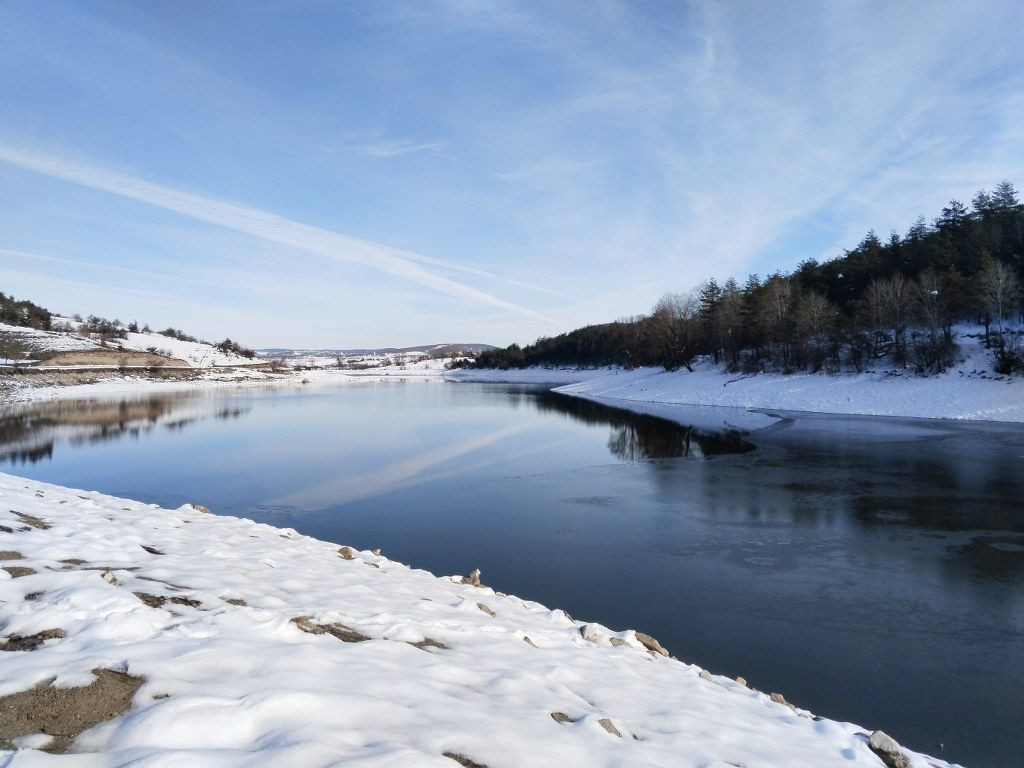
x=35, y=344
x=196, y=353
x=133, y=635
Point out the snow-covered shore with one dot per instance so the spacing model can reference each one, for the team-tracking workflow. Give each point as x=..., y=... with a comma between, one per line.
x=968, y=391
x=186, y=638
x=25, y=391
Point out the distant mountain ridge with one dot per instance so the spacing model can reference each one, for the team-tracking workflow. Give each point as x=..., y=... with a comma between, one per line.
x=474, y=348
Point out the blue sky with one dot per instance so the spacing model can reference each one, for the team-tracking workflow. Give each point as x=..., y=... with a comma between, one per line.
x=369, y=173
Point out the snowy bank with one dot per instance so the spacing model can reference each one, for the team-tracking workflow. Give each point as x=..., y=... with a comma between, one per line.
x=37, y=388
x=134, y=635
x=968, y=391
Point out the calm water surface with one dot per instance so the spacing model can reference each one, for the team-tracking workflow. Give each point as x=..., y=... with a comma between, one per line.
x=870, y=569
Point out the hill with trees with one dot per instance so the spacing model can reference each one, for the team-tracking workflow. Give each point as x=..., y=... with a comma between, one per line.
x=895, y=301
x=28, y=330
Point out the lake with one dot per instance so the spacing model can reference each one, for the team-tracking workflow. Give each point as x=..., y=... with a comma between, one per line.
x=870, y=569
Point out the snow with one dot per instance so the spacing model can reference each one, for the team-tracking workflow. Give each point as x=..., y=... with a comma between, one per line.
x=968, y=391
x=196, y=354
x=47, y=341
x=230, y=684
x=20, y=391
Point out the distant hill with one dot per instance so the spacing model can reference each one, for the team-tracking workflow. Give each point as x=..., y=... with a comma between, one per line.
x=424, y=349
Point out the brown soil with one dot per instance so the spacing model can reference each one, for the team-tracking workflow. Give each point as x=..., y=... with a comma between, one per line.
x=463, y=760
x=340, y=631
x=158, y=601
x=17, y=571
x=30, y=642
x=153, y=601
x=110, y=357
x=429, y=643
x=35, y=522
x=65, y=712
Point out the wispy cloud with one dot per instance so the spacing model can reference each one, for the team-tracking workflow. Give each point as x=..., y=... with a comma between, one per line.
x=385, y=149
x=262, y=224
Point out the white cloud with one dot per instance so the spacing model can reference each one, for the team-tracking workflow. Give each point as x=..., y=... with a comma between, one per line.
x=262, y=224
x=386, y=149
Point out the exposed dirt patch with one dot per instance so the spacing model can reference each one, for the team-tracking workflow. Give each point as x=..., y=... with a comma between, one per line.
x=17, y=571
x=9, y=554
x=429, y=642
x=111, y=357
x=63, y=713
x=35, y=522
x=561, y=717
x=186, y=601
x=340, y=631
x=463, y=760
x=235, y=601
x=159, y=601
x=74, y=561
x=30, y=642
x=153, y=601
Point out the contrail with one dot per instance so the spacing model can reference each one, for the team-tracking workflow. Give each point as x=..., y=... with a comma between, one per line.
x=262, y=224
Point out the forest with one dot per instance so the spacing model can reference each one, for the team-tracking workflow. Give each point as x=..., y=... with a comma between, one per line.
x=893, y=302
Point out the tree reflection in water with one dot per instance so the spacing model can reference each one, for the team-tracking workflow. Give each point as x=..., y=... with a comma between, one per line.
x=638, y=436
x=29, y=433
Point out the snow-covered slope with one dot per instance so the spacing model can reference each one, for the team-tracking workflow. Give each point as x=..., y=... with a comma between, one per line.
x=203, y=640
x=196, y=354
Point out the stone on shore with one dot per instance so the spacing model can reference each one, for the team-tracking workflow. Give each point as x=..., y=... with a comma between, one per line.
x=887, y=748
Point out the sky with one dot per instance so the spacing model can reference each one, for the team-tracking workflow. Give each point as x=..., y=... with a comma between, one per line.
x=323, y=174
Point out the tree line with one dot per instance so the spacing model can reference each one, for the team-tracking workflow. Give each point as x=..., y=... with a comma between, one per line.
x=24, y=313
x=883, y=302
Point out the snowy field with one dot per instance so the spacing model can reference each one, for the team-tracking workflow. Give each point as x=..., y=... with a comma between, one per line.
x=138, y=636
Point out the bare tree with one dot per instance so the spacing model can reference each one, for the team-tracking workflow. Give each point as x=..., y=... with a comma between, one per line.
x=997, y=290
x=815, y=315
x=673, y=320
x=928, y=290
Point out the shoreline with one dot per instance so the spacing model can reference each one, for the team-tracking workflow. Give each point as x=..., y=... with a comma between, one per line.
x=961, y=394
x=944, y=396
x=428, y=669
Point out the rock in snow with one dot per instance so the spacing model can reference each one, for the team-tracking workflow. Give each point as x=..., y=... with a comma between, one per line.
x=885, y=746
x=262, y=648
